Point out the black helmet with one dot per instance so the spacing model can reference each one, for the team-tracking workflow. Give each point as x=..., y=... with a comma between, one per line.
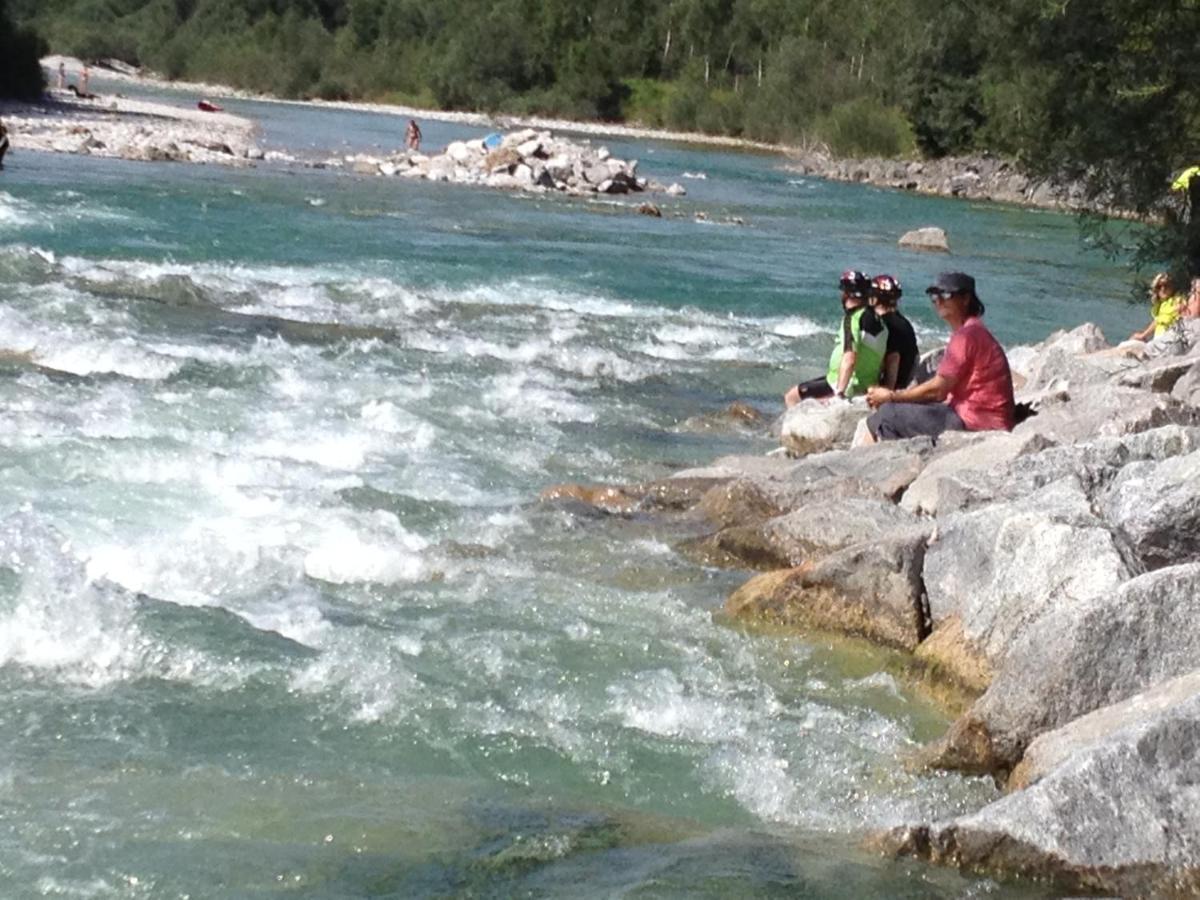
x=855, y=283
x=886, y=287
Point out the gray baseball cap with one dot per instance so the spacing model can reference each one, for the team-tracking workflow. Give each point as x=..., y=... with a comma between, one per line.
x=952, y=283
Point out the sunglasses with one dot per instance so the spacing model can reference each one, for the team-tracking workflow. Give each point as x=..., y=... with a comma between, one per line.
x=941, y=296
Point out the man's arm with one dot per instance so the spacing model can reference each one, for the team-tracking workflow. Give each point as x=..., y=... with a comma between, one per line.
x=891, y=369
x=935, y=390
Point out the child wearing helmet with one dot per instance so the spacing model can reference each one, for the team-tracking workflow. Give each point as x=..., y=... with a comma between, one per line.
x=858, y=350
x=901, y=357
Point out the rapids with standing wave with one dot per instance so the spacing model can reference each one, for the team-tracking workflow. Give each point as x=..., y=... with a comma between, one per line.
x=280, y=614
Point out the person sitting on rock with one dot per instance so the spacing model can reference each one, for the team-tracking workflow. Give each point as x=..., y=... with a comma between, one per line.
x=1192, y=309
x=972, y=389
x=1165, y=308
x=900, y=360
x=858, y=350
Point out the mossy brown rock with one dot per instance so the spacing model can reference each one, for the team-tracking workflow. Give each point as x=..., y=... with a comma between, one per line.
x=670, y=494
x=871, y=590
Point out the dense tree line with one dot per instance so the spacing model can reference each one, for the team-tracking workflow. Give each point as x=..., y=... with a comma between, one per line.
x=20, y=74
x=1106, y=92
x=870, y=76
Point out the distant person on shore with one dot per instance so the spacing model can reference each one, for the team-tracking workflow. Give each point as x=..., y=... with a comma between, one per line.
x=412, y=135
x=858, y=350
x=62, y=75
x=83, y=80
x=3, y=143
x=972, y=390
x=901, y=359
x=1165, y=308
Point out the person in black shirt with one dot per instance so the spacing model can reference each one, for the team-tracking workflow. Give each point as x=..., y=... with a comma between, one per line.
x=858, y=351
x=900, y=361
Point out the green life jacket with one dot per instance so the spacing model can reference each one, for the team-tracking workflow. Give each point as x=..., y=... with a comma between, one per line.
x=870, y=350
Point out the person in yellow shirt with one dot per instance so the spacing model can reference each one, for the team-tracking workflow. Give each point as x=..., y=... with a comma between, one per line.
x=1166, y=306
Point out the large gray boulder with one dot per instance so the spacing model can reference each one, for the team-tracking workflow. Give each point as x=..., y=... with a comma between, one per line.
x=966, y=472
x=818, y=529
x=1084, y=656
x=802, y=536
x=812, y=426
x=871, y=589
x=1039, y=365
x=1187, y=388
x=994, y=572
x=1113, y=806
x=1103, y=409
x=1157, y=375
x=1156, y=507
x=1008, y=467
x=880, y=471
x=1092, y=464
x=771, y=466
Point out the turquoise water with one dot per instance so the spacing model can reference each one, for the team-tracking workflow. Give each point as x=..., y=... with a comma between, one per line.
x=280, y=614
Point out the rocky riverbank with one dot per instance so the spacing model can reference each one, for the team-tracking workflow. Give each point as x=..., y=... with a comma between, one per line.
x=987, y=178
x=129, y=129
x=1050, y=575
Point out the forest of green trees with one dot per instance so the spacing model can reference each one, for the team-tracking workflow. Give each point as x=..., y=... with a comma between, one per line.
x=1106, y=92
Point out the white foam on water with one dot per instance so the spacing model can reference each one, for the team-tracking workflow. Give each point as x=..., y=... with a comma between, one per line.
x=695, y=334
x=369, y=674
x=386, y=417
x=52, y=886
x=670, y=352
x=535, y=293
x=587, y=361
x=796, y=326
x=119, y=357
x=523, y=397
x=60, y=620
x=659, y=703
x=295, y=614
x=15, y=213
x=385, y=554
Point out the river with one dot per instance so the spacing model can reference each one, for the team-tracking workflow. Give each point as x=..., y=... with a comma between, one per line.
x=280, y=614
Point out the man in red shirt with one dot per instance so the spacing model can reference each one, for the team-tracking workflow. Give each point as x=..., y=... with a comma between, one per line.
x=972, y=389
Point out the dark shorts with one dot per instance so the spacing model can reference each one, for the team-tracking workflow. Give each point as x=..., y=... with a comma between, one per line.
x=894, y=421
x=815, y=389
